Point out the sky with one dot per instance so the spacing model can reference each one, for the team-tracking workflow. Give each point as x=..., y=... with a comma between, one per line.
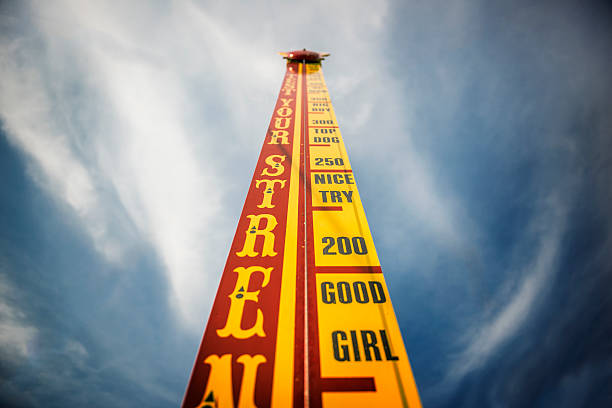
x=480, y=134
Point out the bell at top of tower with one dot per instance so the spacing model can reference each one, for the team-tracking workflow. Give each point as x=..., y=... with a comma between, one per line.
x=304, y=55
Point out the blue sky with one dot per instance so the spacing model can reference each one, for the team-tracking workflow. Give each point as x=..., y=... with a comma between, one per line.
x=480, y=134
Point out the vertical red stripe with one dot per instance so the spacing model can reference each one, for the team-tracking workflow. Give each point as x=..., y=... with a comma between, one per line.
x=269, y=296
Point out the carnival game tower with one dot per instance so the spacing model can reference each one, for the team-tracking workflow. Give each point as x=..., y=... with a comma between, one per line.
x=302, y=316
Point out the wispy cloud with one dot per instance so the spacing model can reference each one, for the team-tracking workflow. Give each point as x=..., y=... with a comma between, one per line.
x=103, y=126
x=143, y=122
x=16, y=335
x=519, y=299
x=35, y=123
x=117, y=109
x=107, y=111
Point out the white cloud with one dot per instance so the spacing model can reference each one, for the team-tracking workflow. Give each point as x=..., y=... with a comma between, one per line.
x=31, y=120
x=16, y=336
x=487, y=336
x=132, y=116
x=133, y=144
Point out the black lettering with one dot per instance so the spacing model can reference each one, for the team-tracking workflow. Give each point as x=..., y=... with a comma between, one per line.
x=378, y=293
x=361, y=292
x=336, y=179
x=359, y=245
x=344, y=246
x=355, y=345
x=386, y=347
x=338, y=355
x=324, y=195
x=336, y=197
x=369, y=344
x=327, y=294
x=348, y=195
x=330, y=241
x=344, y=292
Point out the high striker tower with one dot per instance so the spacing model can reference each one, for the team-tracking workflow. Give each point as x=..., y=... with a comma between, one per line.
x=302, y=317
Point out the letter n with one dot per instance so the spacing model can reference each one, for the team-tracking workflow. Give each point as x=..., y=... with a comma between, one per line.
x=218, y=392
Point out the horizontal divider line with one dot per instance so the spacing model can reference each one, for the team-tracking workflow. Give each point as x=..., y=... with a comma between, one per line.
x=327, y=208
x=320, y=144
x=347, y=384
x=331, y=171
x=348, y=269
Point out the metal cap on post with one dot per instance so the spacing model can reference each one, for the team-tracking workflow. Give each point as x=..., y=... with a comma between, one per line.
x=304, y=55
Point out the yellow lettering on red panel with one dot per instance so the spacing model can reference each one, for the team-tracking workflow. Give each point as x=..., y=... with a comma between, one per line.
x=218, y=392
x=279, y=137
x=238, y=298
x=268, y=191
x=303, y=315
x=275, y=167
x=282, y=123
x=255, y=230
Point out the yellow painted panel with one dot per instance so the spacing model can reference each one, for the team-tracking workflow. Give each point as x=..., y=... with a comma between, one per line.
x=282, y=391
x=355, y=309
x=345, y=232
x=359, y=336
